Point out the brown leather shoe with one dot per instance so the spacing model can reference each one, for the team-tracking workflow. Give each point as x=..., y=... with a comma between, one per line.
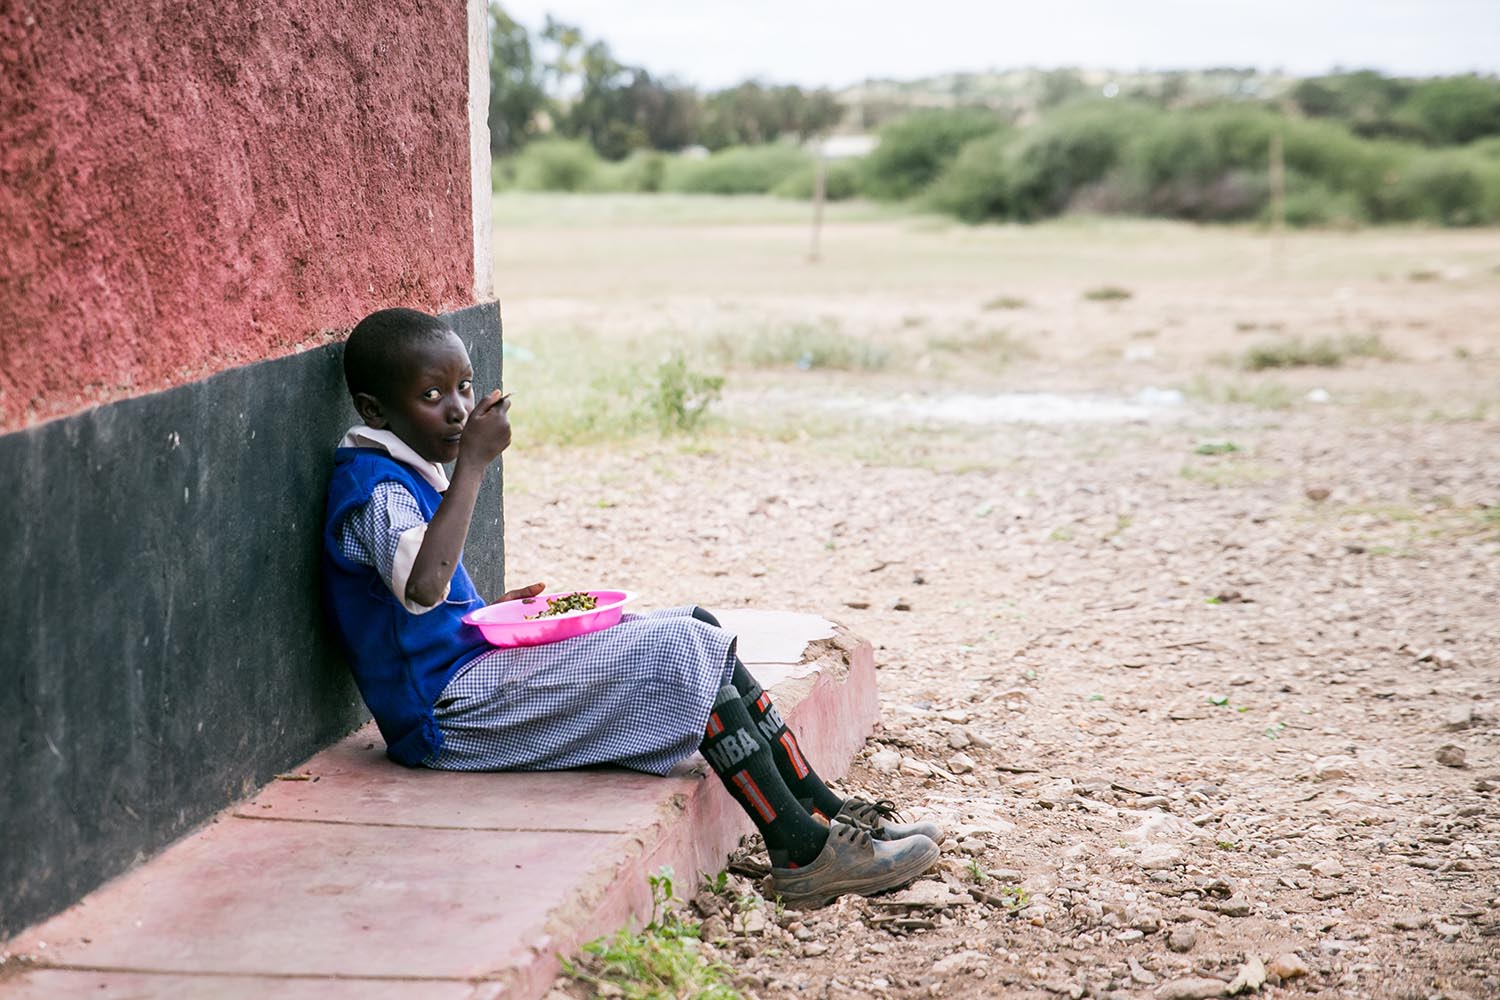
x=853, y=861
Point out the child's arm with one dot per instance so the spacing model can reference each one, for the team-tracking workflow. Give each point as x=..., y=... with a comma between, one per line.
x=485, y=436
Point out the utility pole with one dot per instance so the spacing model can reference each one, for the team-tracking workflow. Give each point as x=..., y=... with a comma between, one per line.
x=820, y=193
x=1278, y=197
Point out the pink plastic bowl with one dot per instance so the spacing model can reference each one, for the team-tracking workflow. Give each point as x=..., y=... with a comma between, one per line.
x=505, y=624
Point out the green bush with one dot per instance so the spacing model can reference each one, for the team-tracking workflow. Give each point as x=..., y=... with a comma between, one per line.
x=840, y=183
x=735, y=170
x=1311, y=203
x=556, y=165
x=1455, y=109
x=976, y=186
x=1446, y=188
x=643, y=171
x=915, y=148
x=1063, y=154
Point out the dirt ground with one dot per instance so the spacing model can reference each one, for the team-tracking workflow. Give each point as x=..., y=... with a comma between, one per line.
x=1204, y=684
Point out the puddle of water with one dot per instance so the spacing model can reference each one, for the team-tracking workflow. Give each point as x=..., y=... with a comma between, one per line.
x=1016, y=407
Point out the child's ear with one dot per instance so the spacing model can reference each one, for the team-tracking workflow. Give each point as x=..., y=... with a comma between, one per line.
x=369, y=410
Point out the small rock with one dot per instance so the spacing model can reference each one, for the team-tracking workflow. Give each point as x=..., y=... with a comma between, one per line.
x=1412, y=922
x=1287, y=966
x=713, y=929
x=885, y=760
x=1437, y=657
x=979, y=741
x=960, y=763
x=1182, y=938
x=956, y=962
x=1235, y=906
x=1250, y=977
x=1153, y=802
x=813, y=949
x=857, y=605
x=1328, y=868
x=1333, y=768
x=1158, y=857
x=914, y=767
x=1193, y=988
x=972, y=846
x=1458, y=717
x=1449, y=932
x=1131, y=935
x=753, y=921
x=1317, y=494
x=958, y=737
x=1452, y=755
x=1143, y=977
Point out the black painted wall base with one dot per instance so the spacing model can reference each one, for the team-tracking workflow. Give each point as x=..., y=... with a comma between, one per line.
x=162, y=644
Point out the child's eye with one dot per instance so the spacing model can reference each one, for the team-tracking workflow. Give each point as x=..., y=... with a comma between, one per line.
x=465, y=385
x=431, y=395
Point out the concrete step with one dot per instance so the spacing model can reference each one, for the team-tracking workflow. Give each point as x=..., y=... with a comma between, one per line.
x=370, y=880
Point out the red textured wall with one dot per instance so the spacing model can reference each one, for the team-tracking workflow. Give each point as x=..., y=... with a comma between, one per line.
x=186, y=187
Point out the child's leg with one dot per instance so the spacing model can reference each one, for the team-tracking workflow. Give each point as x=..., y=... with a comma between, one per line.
x=744, y=764
x=799, y=775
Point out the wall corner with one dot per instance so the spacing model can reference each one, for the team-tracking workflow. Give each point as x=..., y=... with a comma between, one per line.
x=479, y=147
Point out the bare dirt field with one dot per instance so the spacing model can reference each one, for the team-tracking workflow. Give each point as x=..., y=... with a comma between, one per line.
x=1197, y=658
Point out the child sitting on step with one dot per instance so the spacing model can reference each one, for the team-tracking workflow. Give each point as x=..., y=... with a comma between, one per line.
x=643, y=694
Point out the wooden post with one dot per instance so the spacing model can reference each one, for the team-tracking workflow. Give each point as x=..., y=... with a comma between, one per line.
x=820, y=192
x=1278, y=197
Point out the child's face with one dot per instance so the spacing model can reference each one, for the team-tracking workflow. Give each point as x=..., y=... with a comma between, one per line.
x=431, y=399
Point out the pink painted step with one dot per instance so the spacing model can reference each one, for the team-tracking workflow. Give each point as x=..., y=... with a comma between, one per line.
x=388, y=884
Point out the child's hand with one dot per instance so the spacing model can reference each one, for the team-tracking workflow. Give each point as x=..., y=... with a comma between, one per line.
x=516, y=595
x=487, y=432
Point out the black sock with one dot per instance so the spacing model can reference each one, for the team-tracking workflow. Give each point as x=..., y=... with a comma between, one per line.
x=748, y=771
x=795, y=770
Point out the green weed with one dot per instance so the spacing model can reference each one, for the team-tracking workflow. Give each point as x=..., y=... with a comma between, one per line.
x=1005, y=302
x=1216, y=448
x=678, y=397
x=660, y=960
x=1107, y=293
x=1323, y=352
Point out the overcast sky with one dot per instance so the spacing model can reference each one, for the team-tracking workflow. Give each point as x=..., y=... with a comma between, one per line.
x=713, y=43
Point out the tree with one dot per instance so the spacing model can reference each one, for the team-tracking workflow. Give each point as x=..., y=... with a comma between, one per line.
x=517, y=96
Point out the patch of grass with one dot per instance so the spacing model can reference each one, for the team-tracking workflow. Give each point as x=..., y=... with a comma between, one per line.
x=1259, y=393
x=678, y=397
x=997, y=348
x=659, y=960
x=1061, y=534
x=976, y=873
x=1424, y=275
x=805, y=346
x=1322, y=352
x=1108, y=293
x=1005, y=302
x=1216, y=448
x=573, y=390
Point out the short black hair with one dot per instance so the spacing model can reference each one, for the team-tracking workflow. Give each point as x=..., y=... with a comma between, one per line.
x=379, y=346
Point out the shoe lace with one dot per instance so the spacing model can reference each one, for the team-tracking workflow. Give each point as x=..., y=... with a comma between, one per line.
x=855, y=833
x=870, y=813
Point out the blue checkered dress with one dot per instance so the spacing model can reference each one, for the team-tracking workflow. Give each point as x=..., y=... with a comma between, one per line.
x=637, y=694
